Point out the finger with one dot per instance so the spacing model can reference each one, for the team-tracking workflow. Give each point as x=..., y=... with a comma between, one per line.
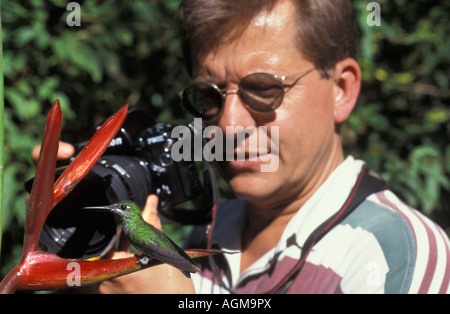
x=150, y=212
x=113, y=254
x=65, y=150
x=120, y=254
x=35, y=153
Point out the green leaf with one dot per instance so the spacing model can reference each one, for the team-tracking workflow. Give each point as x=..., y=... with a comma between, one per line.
x=85, y=57
x=24, y=35
x=438, y=115
x=11, y=189
x=80, y=54
x=25, y=108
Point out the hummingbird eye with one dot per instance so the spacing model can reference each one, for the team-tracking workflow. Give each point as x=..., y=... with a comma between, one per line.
x=123, y=207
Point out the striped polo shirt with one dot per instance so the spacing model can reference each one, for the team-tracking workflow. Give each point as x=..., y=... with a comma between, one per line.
x=383, y=246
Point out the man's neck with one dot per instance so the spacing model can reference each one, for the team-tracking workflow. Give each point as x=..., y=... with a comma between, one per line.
x=267, y=220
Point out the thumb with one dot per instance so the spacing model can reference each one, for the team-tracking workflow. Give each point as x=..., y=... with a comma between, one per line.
x=150, y=212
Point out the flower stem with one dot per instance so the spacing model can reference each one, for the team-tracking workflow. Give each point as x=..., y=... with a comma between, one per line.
x=2, y=129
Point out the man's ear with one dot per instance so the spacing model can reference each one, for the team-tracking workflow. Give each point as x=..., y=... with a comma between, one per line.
x=347, y=76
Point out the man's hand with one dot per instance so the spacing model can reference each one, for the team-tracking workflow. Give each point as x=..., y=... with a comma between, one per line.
x=158, y=279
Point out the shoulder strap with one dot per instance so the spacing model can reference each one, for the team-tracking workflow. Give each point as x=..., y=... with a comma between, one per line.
x=368, y=183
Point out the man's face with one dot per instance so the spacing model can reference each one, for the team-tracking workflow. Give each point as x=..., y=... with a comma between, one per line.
x=308, y=145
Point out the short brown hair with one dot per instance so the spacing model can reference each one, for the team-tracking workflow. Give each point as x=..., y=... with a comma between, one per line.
x=326, y=30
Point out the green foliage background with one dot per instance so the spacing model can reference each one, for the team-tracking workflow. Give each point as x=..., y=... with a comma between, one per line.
x=128, y=52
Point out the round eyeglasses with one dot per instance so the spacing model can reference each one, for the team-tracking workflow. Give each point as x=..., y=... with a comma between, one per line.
x=260, y=92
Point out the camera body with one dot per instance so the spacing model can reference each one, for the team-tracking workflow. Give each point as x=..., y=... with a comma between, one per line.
x=145, y=166
x=136, y=163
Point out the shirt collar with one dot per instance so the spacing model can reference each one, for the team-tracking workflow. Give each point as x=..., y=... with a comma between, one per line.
x=326, y=201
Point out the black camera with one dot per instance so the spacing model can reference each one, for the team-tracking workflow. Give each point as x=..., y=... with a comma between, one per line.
x=136, y=163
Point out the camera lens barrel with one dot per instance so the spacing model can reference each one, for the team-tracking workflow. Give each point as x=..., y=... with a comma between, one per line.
x=73, y=232
x=125, y=177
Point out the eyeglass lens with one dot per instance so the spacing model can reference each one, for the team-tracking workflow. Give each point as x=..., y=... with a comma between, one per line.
x=261, y=92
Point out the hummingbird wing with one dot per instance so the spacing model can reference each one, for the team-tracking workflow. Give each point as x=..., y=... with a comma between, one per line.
x=155, y=243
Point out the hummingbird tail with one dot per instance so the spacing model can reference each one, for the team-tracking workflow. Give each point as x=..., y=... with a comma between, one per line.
x=188, y=273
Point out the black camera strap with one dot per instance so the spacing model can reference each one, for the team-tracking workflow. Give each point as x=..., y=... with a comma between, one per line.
x=210, y=199
x=368, y=183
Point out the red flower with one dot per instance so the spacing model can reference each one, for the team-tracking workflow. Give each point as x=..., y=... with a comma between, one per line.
x=43, y=270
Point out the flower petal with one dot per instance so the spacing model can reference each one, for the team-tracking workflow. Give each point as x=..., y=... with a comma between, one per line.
x=88, y=156
x=41, y=198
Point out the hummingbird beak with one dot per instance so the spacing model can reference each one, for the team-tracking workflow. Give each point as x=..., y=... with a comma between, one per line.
x=97, y=208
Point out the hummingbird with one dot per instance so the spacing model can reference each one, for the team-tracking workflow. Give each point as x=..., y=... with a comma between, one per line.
x=148, y=239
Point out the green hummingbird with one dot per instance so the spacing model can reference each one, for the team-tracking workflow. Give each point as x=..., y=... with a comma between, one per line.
x=149, y=240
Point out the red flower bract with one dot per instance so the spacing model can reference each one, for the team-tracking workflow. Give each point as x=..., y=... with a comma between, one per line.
x=43, y=270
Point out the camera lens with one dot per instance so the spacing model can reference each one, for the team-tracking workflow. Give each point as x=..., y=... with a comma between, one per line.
x=125, y=178
x=73, y=232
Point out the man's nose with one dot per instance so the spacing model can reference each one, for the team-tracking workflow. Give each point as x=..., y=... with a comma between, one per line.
x=235, y=113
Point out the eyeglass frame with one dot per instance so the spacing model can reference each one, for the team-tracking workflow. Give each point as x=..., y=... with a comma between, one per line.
x=225, y=91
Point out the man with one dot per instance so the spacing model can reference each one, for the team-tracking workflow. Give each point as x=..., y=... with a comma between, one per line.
x=319, y=222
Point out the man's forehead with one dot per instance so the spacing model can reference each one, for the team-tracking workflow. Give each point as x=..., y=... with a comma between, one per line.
x=269, y=28
x=282, y=14
x=278, y=22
